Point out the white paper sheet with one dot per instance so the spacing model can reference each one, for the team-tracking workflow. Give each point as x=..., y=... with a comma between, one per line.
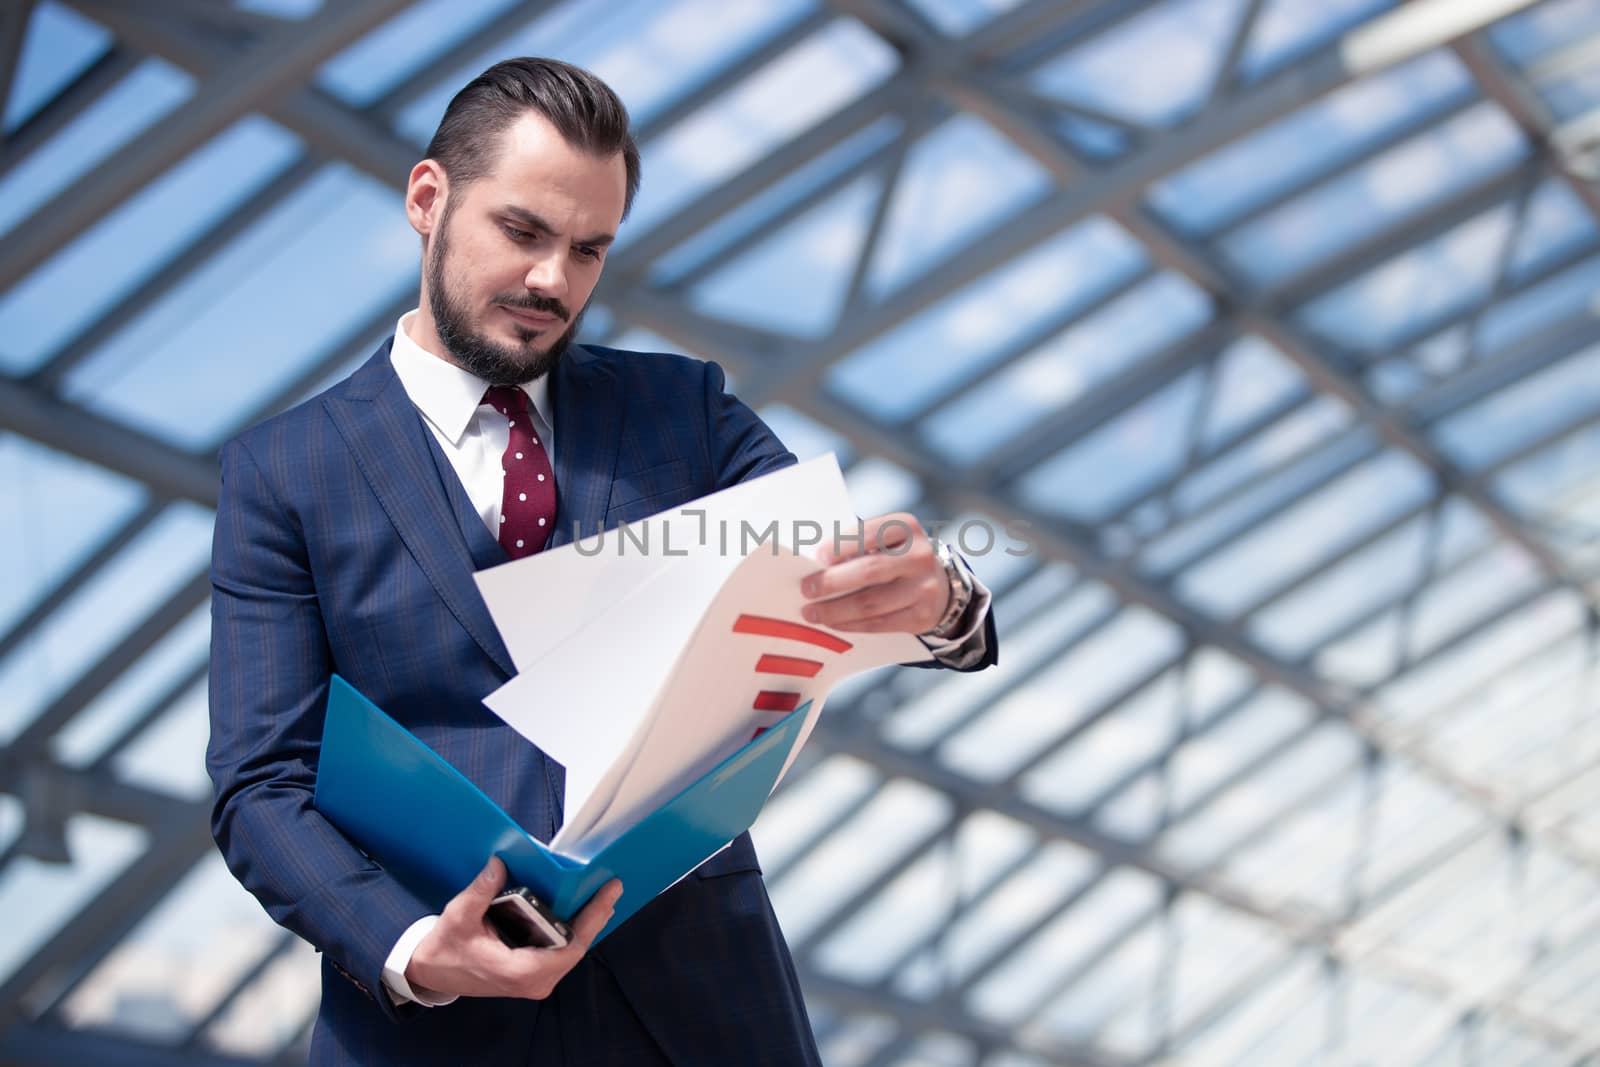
x=631, y=673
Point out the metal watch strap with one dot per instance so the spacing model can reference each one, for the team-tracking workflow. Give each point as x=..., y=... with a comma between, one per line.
x=960, y=590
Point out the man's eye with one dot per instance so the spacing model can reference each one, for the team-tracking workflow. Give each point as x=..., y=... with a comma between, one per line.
x=516, y=234
x=588, y=252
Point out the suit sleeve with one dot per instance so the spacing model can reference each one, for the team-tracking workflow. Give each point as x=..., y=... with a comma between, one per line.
x=741, y=445
x=270, y=666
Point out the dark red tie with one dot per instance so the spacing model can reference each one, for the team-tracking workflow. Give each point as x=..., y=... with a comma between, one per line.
x=528, y=503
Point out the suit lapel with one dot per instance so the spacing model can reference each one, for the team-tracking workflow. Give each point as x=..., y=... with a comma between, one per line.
x=390, y=444
x=588, y=427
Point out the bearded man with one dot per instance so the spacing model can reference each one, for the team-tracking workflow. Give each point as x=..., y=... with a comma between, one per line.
x=347, y=534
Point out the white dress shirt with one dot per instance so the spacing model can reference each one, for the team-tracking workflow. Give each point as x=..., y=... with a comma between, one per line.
x=473, y=436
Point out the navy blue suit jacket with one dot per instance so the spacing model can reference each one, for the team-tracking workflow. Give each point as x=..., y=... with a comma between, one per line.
x=345, y=542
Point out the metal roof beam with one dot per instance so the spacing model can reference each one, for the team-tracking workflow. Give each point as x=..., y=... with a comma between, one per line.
x=1527, y=110
x=169, y=471
x=265, y=73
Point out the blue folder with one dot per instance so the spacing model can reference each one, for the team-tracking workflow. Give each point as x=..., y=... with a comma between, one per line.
x=431, y=828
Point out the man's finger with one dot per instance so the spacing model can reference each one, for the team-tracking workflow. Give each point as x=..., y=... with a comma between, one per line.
x=883, y=533
x=868, y=603
x=470, y=904
x=594, y=916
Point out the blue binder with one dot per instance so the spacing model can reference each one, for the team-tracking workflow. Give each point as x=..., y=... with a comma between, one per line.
x=431, y=828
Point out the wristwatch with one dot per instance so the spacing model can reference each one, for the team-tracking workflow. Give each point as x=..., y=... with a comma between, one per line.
x=960, y=590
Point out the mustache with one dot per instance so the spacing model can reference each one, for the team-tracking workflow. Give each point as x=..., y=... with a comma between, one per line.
x=545, y=305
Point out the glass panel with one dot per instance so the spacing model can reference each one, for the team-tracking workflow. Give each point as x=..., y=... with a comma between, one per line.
x=1539, y=484
x=925, y=901
x=794, y=280
x=958, y=17
x=878, y=487
x=1218, y=189
x=1376, y=575
x=399, y=48
x=1307, y=858
x=283, y=9
x=1030, y=718
x=654, y=53
x=804, y=806
x=1297, y=540
x=1111, y=1007
x=179, y=962
x=1544, y=28
x=1216, y=755
x=921, y=721
x=548, y=34
x=149, y=92
x=803, y=435
x=1011, y=993
x=1457, y=670
x=1556, y=223
x=1471, y=595
x=1214, y=947
x=337, y=251
x=1524, y=411
x=11, y=819
x=1251, y=378
x=46, y=531
x=875, y=840
x=812, y=80
x=60, y=44
x=957, y=182
x=1288, y=29
x=174, y=549
x=1229, y=1039
x=169, y=756
x=999, y=551
x=894, y=376
x=275, y=1008
x=1153, y=68
x=1399, y=183
x=855, y=1041
x=1525, y=726
x=650, y=53
x=1558, y=300
x=1137, y=732
x=1572, y=95
x=1118, y=462
x=1416, y=287
x=1293, y=451
x=1028, y=896
x=38, y=897
x=52, y=305
x=181, y=652
x=1155, y=314
x=704, y=249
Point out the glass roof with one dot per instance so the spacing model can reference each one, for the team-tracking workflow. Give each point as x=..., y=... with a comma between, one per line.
x=1261, y=386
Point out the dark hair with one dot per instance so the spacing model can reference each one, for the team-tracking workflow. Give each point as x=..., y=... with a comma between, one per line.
x=578, y=104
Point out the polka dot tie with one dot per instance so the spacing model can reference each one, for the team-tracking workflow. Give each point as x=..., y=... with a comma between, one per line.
x=528, y=503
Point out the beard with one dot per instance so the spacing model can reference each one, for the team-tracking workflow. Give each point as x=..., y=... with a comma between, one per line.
x=495, y=363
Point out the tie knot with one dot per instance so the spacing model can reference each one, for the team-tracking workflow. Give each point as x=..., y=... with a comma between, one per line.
x=506, y=399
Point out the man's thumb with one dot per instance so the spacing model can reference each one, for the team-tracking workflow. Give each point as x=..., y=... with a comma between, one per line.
x=487, y=885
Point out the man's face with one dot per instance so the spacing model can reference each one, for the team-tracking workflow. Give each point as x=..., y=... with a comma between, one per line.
x=517, y=253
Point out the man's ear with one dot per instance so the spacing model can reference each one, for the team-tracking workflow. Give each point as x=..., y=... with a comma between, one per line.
x=426, y=190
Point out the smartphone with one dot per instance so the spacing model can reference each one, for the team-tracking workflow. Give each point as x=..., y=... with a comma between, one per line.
x=523, y=922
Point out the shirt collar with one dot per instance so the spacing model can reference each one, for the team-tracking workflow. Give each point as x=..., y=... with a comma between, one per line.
x=446, y=395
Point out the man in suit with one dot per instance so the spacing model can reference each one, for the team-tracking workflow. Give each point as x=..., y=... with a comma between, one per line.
x=347, y=532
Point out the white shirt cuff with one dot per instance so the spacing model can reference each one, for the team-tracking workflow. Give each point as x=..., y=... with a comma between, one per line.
x=977, y=613
x=394, y=968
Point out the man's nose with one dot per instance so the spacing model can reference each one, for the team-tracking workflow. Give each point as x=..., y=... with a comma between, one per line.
x=548, y=276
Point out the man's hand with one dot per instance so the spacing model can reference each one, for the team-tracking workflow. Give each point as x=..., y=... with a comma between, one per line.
x=890, y=581
x=462, y=955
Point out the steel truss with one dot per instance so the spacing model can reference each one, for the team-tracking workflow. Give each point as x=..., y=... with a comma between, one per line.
x=244, y=62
